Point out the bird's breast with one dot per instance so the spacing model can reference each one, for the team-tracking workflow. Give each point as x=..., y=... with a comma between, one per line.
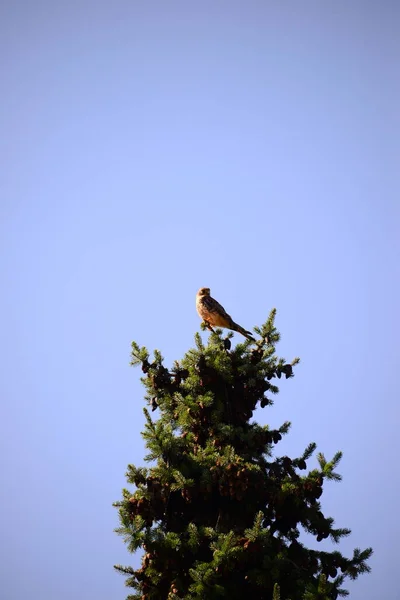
x=201, y=308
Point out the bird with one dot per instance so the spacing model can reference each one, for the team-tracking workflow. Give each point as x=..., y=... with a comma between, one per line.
x=213, y=313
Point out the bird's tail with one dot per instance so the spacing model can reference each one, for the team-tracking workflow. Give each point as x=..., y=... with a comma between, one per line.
x=246, y=334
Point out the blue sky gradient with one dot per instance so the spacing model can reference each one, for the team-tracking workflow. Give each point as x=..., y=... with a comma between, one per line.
x=151, y=148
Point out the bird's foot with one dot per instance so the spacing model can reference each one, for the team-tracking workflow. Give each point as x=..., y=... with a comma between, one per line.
x=207, y=324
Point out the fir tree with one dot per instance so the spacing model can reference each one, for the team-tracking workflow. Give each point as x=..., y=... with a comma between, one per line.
x=217, y=513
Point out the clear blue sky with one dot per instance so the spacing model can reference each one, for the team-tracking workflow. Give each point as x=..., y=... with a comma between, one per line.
x=148, y=149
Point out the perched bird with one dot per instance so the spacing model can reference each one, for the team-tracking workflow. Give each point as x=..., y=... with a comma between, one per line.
x=213, y=313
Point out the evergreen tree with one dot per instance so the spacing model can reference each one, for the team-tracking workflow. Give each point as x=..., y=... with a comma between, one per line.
x=217, y=513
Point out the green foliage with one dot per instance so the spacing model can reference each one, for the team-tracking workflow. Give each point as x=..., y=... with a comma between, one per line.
x=217, y=513
x=276, y=593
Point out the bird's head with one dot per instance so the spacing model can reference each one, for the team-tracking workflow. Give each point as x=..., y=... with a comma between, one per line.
x=203, y=292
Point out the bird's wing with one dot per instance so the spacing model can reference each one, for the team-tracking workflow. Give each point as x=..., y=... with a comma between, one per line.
x=214, y=306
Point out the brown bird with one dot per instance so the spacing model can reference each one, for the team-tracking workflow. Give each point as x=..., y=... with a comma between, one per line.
x=213, y=313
